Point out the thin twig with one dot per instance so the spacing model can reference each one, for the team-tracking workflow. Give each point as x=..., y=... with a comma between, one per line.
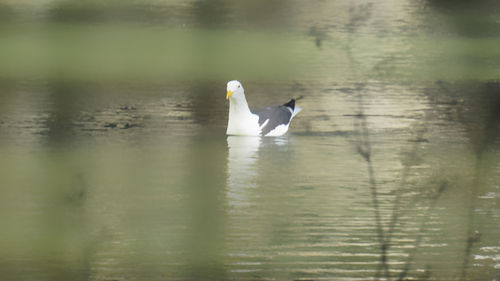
x=472, y=236
x=423, y=224
x=364, y=149
x=397, y=201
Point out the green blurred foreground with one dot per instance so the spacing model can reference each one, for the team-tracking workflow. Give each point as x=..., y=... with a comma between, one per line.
x=156, y=41
x=88, y=52
x=124, y=52
x=390, y=172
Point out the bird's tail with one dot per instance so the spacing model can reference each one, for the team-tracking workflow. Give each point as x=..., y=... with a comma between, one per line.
x=296, y=111
x=291, y=103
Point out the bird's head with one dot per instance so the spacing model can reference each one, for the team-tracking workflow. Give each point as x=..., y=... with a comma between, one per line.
x=234, y=89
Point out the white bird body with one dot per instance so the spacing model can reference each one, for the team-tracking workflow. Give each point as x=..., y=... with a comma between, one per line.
x=272, y=121
x=241, y=120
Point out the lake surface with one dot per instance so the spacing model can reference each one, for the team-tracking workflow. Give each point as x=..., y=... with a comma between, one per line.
x=115, y=168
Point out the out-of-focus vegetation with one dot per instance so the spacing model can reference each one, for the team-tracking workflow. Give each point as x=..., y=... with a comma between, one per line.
x=152, y=41
x=140, y=40
x=115, y=163
x=113, y=52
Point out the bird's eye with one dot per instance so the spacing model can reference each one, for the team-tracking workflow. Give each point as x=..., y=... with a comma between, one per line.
x=239, y=86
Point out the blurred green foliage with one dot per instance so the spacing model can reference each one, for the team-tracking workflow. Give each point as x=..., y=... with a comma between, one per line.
x=100, y=213
x=117, y=52
x=152, y=41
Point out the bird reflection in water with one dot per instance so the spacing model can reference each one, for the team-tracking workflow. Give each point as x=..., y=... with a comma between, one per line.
x=244, y=162
x=242, y=167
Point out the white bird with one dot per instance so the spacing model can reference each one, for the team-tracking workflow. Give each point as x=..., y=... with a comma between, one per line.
x=271, y=121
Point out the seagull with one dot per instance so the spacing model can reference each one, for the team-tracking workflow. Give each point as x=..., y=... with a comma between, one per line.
x=272, y=121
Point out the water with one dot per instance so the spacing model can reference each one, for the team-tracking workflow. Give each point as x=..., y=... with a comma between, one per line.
x=116, y=166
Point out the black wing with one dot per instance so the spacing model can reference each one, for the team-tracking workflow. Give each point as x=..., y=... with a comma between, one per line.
x=277, y=115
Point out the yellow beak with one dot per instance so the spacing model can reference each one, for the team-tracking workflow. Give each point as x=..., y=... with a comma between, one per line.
x=229, y=94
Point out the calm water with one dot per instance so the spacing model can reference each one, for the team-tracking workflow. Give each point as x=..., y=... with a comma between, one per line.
x=391, y=171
